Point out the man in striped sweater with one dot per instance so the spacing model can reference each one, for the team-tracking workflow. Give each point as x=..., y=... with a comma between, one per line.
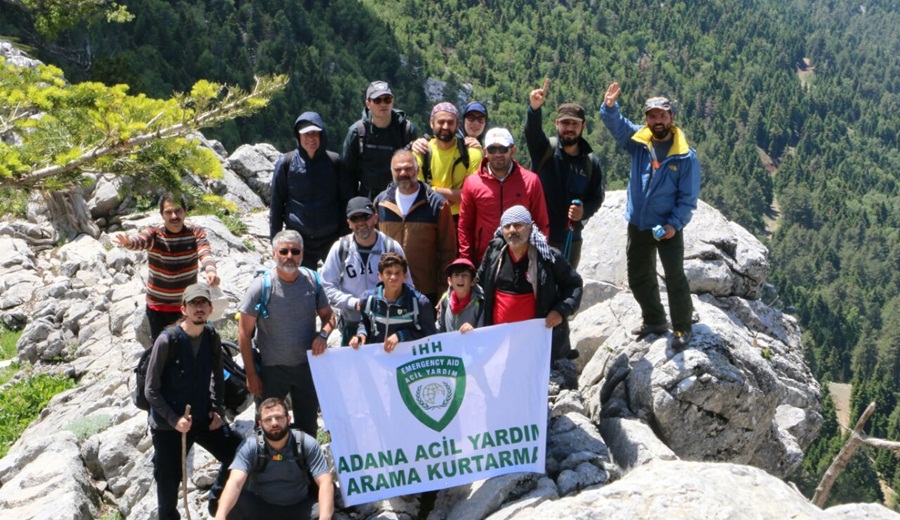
x=174, y=250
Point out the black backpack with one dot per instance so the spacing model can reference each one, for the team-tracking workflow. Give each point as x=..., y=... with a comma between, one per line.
x=262, y=460
x=140, y=370
x=463, y=159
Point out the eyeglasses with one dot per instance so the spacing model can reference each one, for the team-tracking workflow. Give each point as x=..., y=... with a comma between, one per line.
x=274, y=419
x=356, y=219
x=383, y=100
x=476, y=118
x=497, y=149
x=197, y=302
x=284, y=252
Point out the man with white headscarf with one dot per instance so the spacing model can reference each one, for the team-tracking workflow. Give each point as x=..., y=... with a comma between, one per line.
x=524, y=278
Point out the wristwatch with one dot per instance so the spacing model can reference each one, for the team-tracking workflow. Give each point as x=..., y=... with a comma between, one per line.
x=323, y=334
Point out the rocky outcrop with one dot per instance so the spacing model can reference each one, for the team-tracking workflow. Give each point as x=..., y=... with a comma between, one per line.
x=720, y=257
x=625, y=418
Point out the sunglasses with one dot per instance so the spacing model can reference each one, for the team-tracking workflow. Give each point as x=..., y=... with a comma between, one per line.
x=284, y=252
x=383, y=100
x=497, y=149
x=356, y=219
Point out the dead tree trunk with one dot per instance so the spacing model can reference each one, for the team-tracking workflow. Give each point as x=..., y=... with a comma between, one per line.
x=843, y=458
x=69, y=213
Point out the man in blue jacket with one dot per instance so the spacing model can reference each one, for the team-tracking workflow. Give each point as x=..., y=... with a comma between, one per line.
x=309, y=190
x=662, y=194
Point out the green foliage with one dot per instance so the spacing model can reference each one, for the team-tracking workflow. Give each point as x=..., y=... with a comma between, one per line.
x=85, y=427
x=23, y=402
x=8, y=340
x=91, y=127
x=53, y=16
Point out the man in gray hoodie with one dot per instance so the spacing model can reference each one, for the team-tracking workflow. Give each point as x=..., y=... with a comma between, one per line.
x=309, y=189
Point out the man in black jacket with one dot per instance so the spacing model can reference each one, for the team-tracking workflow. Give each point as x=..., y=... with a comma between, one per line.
x=524, y=278
x=568, y=169
x=372, y=141
x=309, y=190
x=185, y=359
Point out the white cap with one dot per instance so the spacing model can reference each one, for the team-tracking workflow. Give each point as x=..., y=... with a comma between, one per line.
x=499, y=136
x=309, y=128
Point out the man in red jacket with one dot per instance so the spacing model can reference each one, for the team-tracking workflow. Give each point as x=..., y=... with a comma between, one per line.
x=499, y=184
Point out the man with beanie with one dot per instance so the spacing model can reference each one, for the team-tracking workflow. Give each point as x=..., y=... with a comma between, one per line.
x=524, y=278
x=309, y=188
x=447, y=162
x=663, y=188
x=569, y=171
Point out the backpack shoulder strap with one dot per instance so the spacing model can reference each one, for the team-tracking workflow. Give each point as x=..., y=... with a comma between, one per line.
x=547, y=155
x=415, y=309
x=174, y=336
x=426, y=165
x=343, y=253
x=463, y=153
x=297, y=447
x=262, y=306
x=361, y=133
x=335, y=159
x=313, y=275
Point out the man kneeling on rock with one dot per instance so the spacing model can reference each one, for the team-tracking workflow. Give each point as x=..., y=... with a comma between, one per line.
x=270, y=475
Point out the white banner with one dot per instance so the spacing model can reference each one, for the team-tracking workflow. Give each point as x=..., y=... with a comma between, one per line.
x=438, y=412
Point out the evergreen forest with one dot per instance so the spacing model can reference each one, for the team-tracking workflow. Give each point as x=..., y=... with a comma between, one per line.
x=793, y=107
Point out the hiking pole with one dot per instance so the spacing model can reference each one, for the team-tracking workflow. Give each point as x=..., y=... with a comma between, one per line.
x=570, y=231
x=187, y=512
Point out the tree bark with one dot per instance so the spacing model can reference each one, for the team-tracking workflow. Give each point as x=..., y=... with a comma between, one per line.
x=843, y=458
x=69, y=213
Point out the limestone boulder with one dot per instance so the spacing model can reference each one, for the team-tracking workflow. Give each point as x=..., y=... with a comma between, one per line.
x=720, y=257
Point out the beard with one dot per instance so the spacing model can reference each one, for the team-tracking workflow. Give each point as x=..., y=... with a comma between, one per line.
x=661, y=132
x=445, y=136
x=569, y=140
x=276, y=436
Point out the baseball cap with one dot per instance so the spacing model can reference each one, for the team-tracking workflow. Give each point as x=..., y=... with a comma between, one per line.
x=475, y=106
x=309, y=128
x=197, y=290
x=657, y=102
x=360, y=205
x=377, y=89
x=499, y=136
x=570, y=111
x=460, y=262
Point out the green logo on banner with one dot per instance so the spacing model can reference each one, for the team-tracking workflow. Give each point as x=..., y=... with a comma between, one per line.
x=433, y=389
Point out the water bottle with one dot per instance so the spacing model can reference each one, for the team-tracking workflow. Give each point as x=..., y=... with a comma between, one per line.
x=659, y=232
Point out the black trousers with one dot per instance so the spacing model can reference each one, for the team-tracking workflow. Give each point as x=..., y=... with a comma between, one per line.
x=221, y=443
x=250, y=507
x=641, y=259
x=159, y=320
x=279, y=380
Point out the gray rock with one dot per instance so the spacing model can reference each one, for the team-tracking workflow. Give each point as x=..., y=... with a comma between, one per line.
x=679, y=490
x=717, y=400
x=573, y=433
x=584, y=475
x=632, y=443
x=862, y=512
x=543, y=491
x=233, y=189
x=480, y=499
x=255, y=165
x=105, y=197
x=50, y=481
x=721, y=258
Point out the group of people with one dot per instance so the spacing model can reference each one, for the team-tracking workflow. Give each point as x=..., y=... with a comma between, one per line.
x=446, y=233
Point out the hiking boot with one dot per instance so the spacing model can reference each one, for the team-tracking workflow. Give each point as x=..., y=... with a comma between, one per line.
x=681, y=340
x=644, y=329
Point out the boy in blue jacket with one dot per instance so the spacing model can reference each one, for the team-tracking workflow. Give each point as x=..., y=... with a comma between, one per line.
x=393, y=312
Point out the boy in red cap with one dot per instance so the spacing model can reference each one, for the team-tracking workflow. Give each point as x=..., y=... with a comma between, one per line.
x=462, y=306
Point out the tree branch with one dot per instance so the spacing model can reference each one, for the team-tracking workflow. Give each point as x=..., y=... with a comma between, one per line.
x=842, y=459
